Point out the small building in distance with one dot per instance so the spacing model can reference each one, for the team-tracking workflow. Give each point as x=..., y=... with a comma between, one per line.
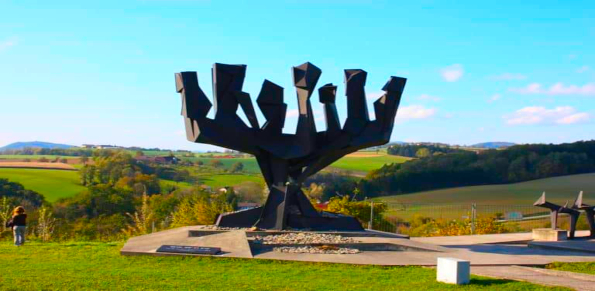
x=100, y=146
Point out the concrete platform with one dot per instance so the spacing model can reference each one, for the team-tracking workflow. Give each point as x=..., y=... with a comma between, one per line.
x=548, y=234
x=576, y=281
x=232, y=243
x=580, y=245
x=489, y=250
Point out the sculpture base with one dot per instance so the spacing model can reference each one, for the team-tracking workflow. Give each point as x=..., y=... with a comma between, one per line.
x=241, y=219
x=326, y=221
x=548, y=234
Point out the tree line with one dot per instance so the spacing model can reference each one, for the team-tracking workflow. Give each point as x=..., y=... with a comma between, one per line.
x=419, y=151
x=123, y=197
x=464, y=168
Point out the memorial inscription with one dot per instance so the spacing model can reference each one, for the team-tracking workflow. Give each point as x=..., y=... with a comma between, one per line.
x=188, y=250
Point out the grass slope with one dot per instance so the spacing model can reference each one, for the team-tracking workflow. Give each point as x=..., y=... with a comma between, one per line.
x=222, y=180
x=52, y=184
x=366, y=163
x=98, y=266
x=558, y=190
x=586, y=268
x=250, y=164
x=216, y=180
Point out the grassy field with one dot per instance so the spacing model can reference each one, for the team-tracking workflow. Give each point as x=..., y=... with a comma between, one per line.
x=558, y=190
x=250, y=164
x=222, y=180
x=586, y=268
x=367, y=161
x=98, y=266
x=217, y=180
x=52, y=184
x=362, y=161
x=31, y=157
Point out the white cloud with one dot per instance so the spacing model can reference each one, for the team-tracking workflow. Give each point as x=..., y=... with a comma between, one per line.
x=560, y=89
x=533, y=88
x=374, y=95
x=318, y=115
x=556, y=89
x=509, y=77
x=6, y=44
x=292, y=113
x=414, y=112
x=296, y=113
x=542, y=115
x=494, y=98
x=583, y=69
x=452, y=73
x=428, y=97
x=574, y=118
x=180, y=132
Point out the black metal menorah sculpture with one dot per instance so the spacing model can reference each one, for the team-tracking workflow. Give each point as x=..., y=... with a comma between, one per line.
x=589, y=212
x=286, y=160
x=555, y=210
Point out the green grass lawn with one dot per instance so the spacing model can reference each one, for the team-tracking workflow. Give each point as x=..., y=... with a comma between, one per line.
x=558, y=189
x=216, y=180
x=165, y=184
x=587, y=268
x=366, y=164
x=52, y=184
x=358, y=164
x=221, y=180
x=98, y=266
x=250, y=164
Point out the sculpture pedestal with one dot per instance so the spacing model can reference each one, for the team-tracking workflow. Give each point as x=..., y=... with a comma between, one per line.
x=548, y=234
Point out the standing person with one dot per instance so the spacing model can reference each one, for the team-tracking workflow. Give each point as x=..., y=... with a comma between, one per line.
x=18, y=222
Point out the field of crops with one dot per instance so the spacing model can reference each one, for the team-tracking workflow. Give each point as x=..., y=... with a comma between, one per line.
x=250, y=164
x=52, y=184
x=558, y=189
x=32, y=157
x=360, y=162
x=216, y=180
x=367, y=161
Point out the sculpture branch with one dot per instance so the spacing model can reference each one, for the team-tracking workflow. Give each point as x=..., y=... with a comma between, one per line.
x=286, y=160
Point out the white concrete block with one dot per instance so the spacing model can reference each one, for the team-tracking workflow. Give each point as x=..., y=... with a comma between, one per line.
x=453, y=271
x=548, y=234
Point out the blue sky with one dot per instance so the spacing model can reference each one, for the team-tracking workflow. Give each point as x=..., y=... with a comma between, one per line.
x=103, y=71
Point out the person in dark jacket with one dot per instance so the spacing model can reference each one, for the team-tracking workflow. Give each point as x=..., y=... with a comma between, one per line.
x=18, y=222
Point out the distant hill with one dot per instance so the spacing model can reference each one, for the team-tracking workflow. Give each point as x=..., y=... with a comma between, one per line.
x=493, y=145
x=35, y=144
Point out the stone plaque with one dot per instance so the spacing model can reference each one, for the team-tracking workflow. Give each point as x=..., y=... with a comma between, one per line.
x=188, y=250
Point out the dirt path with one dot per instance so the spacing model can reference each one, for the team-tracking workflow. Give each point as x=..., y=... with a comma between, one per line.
x=36, y=165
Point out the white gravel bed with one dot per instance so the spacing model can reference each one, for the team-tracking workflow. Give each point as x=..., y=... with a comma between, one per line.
x=214, y=227
x=316, y=250
x=303, y=238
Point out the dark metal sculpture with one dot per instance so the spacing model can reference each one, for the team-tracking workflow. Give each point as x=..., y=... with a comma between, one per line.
x=286, y=160
x=589, y=212
x=555, y=210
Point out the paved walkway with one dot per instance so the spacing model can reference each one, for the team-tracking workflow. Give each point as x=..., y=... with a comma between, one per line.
x=483, y=238
x=479, y=250
x=546, y=277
